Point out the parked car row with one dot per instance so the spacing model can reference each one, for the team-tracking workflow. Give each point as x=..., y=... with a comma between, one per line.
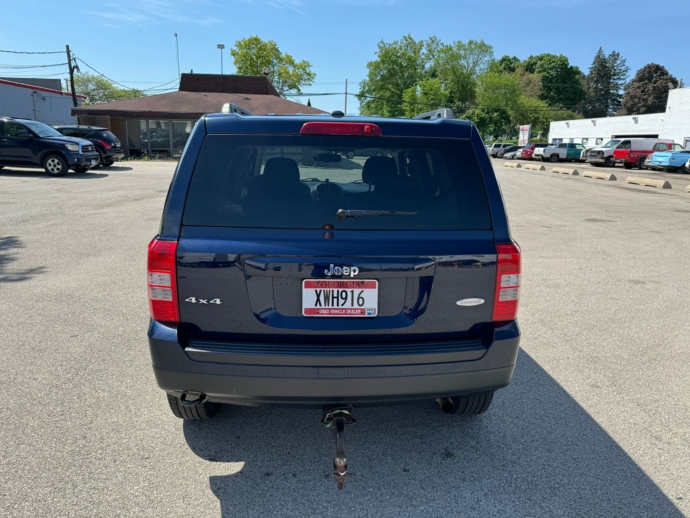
x=511, y=151
x=29, y=143
x=57, y=149
x=644, y=153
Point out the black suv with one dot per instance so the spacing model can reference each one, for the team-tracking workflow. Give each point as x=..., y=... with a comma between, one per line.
x=28, y=143
x=106, y=143
x=321, y=260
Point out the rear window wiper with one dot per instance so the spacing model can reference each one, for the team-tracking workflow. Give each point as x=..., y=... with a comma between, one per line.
x=345, y=213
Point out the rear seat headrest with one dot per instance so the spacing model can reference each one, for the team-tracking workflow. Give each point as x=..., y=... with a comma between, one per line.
x=281, y=170
x=379, y=169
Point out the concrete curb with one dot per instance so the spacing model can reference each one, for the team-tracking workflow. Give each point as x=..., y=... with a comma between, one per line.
x=535, y=167
x=600, y=176
x=648, y=182
x=565, y=170
x=514, y=165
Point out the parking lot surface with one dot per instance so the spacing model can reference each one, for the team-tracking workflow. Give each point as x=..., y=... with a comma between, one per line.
x=595, y=423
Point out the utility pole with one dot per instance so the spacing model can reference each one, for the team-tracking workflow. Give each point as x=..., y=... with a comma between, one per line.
x=221, y=47
x=345, y=112
x=177, y=52
x=71, y=76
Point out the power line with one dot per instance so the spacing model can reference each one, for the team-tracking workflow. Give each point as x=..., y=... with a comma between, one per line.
x=29, y=67
x=157, y=87
x=102, y=74
x=60, y=74
x=22, y=52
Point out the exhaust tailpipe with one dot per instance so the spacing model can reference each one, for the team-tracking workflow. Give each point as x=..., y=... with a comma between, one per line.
x=447, y=405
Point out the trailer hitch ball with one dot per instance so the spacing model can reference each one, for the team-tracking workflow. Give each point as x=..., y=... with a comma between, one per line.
x=338, y=418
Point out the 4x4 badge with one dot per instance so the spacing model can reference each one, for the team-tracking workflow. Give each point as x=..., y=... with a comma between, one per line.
x=194, y=300
x=344, y=270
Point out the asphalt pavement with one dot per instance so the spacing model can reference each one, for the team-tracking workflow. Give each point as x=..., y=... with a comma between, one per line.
x=595, y=423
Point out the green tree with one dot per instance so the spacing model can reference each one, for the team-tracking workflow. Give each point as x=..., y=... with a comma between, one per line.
x=604, y=83
x=98, y=89
x=399, y=66
x=428, y=95
x=498, y=94
x=459, y=66
x=562, y=84
x=252, y=55
x=506, y=64
x=647, y=92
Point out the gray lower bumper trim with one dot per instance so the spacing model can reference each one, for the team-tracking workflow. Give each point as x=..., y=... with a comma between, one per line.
x=260, y=391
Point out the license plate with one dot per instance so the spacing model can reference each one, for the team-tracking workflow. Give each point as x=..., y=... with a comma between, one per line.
x=340, y=298
x=94, y=161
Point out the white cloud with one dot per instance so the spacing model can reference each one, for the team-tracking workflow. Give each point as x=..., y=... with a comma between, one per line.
x=291, y=4
x=147, y=12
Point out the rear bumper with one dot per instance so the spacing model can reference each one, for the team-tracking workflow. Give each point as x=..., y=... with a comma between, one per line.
x=358, y=381
x=113, y=154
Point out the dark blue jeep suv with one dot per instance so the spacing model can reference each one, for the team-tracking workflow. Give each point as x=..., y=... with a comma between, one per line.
x=28, y=143
x=333, y=261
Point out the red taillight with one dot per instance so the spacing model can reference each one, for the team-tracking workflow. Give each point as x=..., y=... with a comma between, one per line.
x=105, y=144
x=341, y=128
x=162, y=281
x=507, y=282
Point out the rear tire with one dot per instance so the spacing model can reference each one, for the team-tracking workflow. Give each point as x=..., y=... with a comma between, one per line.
x=472, y=406
x=107, y=163
x=627, y=165
x=640, y=163
x=55, y=165
x=608, y=162
x=80, y=169
x=554, y=158
x=202, y=412
x=685, y=169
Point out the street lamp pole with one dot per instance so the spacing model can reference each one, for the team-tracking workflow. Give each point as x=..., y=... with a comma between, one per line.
x=221, y=47
x=177, y=53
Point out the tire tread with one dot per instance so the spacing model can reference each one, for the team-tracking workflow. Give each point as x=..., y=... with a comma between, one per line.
x=473, y=406
x=202, y=412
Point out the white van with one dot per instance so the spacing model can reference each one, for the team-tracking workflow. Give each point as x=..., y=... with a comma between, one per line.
x=603, y=155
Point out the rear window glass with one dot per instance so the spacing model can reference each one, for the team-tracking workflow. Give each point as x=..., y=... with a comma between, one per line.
x=107, y=135
x=302, y=182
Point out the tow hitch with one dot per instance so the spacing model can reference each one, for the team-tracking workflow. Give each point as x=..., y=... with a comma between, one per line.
x=337, y=418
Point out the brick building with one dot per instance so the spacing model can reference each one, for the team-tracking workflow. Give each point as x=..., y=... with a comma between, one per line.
x=161, y=124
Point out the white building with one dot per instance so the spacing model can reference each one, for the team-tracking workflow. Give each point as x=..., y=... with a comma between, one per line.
x=36, y=102
x=673, y=124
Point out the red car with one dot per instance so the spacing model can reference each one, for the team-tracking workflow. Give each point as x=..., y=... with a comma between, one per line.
x=528, y=150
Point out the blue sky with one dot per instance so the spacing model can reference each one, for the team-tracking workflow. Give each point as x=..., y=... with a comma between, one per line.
x=131, y=41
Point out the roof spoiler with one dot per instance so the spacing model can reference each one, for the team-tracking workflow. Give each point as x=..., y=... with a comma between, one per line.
x=443, y=113
x=233, y=108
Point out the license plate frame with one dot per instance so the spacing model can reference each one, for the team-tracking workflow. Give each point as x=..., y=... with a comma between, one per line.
x=324, y=304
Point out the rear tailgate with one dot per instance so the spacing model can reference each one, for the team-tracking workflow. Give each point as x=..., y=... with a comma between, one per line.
x=661, y=158
x=253, y=232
